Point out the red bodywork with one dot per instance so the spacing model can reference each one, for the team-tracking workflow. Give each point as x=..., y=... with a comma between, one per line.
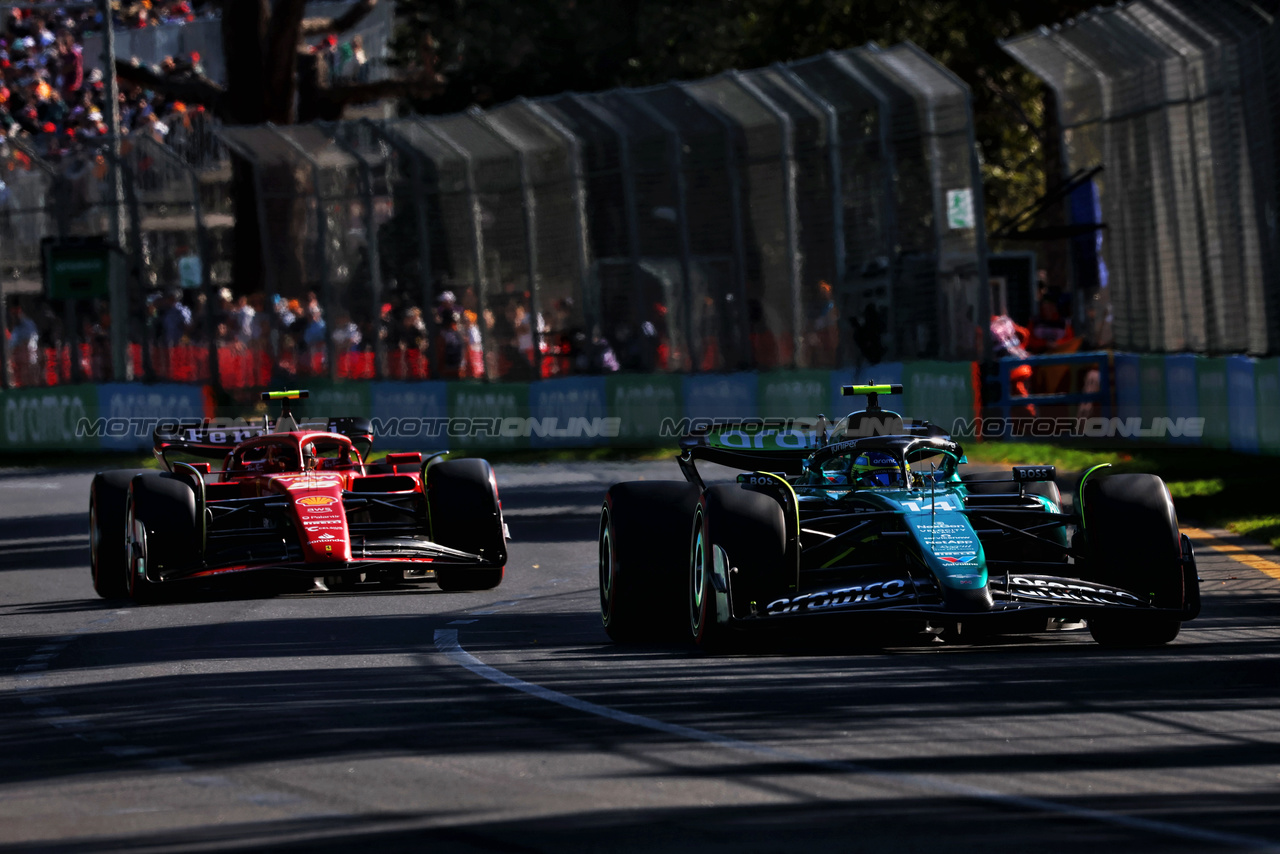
x=279, y=464
x=311, y=470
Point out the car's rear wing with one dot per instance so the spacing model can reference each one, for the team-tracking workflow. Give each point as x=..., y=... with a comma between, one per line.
x=782, y=461
x=215, y=437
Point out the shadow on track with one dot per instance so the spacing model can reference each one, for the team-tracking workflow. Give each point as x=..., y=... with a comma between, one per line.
x=876, y=824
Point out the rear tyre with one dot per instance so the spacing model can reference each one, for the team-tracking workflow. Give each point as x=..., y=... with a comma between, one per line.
x=108, y=560
x=643, y=553
x=160, y=531
x=1131, y=533
x=748, y=528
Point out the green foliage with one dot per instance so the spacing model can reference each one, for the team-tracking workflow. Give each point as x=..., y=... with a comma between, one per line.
x=1065, y=457
x=496, y=50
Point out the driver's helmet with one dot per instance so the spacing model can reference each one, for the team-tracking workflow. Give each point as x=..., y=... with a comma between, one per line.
x=280, y=459
x=875, y=468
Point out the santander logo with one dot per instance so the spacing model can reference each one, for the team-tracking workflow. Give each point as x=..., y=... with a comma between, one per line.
x=312, y=482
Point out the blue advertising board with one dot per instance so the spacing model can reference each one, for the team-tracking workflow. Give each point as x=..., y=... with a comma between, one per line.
x=570, y=413
x=139, y=408
x=1181, y=392
x=1128, y=367
x=720, y=395
x=409, y=416
x=1242, y=404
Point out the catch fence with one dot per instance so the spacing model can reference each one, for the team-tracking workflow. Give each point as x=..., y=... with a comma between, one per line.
x=1178, y=102
x=819, y=214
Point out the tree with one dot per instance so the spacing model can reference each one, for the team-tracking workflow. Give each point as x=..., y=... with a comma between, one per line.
x=495, y=50
x=274, y=76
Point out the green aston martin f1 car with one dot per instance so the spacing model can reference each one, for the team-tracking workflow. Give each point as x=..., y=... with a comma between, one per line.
x=872, y=520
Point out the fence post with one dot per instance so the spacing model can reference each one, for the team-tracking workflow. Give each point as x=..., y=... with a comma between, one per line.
x=590, y=297
x=129, y=188
x=477, y=230
x=246, y=155
x=119, y=299
x=734, y=172
x=202, y=247
x=425, y=275
x=322, y=238
x=529, y=209
x=889, y=202
x=833, y=163
x=676, y=153
x=370, y=228
x=628, y=175
x=791, y=213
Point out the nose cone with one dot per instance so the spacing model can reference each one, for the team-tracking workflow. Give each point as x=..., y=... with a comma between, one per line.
x=320, y=519
x=951, y=549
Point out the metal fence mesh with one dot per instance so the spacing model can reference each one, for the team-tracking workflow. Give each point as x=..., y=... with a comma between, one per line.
x=1177, y=102
x=802, y=215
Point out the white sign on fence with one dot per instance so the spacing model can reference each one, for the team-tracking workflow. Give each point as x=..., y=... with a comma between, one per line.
x=960, y=209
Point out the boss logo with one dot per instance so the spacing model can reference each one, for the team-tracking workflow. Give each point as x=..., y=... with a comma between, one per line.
x=760, y=479
x=1032, y=474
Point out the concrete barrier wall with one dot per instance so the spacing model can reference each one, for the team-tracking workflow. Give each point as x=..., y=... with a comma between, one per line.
x=1237, y=397
x=621, y=410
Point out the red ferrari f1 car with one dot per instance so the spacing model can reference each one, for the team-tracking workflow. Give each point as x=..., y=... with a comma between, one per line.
x=297, y=500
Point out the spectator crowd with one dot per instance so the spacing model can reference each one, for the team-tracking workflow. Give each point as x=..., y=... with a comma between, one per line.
x=54, y=98
x=53, y=101
x=258, y=340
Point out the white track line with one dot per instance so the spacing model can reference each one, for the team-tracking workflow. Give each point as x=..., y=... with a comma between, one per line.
x=446, y=641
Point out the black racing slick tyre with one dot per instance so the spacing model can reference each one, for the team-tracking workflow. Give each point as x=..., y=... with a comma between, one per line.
x=462, y=503
x=748, y=528
x=644, y=538
x=160, y=531
x=108, y=497
x=1131, y=533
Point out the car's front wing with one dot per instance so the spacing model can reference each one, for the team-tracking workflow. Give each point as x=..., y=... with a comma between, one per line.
x=909, y=595
x=397, y=553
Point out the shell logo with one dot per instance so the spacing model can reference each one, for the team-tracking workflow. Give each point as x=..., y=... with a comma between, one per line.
x=317, y=501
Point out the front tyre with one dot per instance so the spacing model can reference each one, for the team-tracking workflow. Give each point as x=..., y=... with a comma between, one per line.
x=744, y=530
x=160, y=531
x=1131, y=533
x=462, y=505
x=705, y=629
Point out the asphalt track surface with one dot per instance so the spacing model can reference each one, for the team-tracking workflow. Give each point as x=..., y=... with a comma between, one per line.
x=505, y=721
